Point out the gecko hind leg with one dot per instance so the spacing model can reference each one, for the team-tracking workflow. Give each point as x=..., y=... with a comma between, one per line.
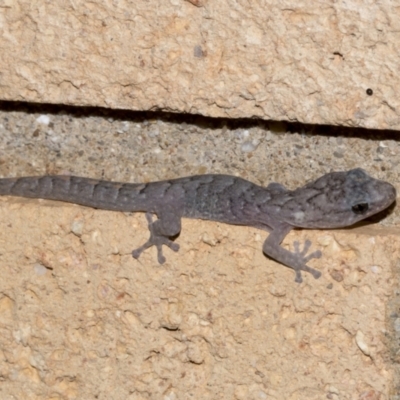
x=155, y=239
x=305, y=259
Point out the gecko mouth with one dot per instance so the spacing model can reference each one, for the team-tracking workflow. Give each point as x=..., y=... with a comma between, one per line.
x=378, y=196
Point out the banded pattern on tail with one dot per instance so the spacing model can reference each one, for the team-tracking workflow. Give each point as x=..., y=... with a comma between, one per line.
x=73, y=189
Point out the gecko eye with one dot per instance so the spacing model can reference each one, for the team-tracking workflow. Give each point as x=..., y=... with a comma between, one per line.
x=360, y=208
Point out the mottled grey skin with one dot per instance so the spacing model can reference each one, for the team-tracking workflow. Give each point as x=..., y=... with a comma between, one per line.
x=335, y=200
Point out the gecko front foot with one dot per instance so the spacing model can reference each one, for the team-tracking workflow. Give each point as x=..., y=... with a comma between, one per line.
x=155, y=240
x=305, y=259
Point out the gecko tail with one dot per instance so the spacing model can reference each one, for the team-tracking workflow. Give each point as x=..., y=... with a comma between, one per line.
x=79, y=190
x=72, y=189
x=7, y=185
x=33, y=186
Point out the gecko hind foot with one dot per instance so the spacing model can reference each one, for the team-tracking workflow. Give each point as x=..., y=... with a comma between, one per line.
x=158, y=242
x=305, y=259
x=155, y=240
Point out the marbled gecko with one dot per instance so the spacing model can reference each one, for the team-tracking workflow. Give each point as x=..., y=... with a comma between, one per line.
x=335, y=200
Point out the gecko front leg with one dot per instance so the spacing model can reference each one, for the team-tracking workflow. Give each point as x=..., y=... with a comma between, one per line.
x=297, y=260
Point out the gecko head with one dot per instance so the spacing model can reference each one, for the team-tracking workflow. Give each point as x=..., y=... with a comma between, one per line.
x=339, y=199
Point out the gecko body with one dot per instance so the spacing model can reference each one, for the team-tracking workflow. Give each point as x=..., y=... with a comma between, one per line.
x=337, y=199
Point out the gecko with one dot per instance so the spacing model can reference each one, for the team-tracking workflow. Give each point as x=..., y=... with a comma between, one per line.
x=335, y=200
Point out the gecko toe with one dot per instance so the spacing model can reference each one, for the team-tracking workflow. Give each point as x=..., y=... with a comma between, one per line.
x=137, y=252
x=298, y=278
x=315, y=254
x=316, y=274
x=173, y=246
x=160, y=256
x=306, y=247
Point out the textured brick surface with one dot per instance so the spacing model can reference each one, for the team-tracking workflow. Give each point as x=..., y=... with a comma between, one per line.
x=281, y=60
x=80, y=318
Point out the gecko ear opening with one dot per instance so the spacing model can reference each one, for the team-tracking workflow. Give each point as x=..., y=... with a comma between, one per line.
x=360, y=208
